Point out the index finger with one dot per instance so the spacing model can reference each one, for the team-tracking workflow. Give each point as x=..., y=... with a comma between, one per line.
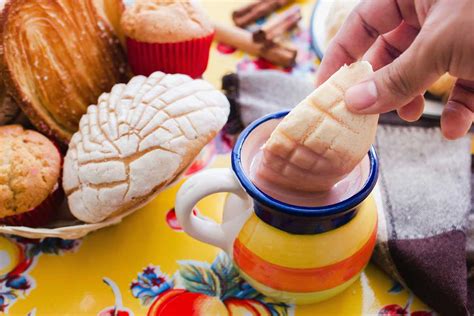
x=367, y=21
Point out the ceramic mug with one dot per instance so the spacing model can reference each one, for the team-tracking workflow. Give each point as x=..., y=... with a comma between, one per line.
x=294, y=254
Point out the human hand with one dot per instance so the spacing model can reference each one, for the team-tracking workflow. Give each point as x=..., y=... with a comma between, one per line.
x=410, y=44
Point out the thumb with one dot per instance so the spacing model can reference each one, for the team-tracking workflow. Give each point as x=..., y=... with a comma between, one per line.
x=399, y=82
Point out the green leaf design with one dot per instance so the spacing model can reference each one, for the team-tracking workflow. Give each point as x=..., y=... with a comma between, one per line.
x=276, y=308
x=147, y=300
x=228, y=275
x=222, y=279
x=199, y=277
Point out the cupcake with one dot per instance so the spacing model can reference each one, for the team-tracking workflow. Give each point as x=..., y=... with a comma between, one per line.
x=169, y=36
x=30, y=167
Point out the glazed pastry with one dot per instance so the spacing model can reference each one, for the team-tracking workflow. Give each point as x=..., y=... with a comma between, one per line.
x=8, y=109
x=443, y=86
x=138, y=139
x=169, y=36
x=111, y=10
x=59, y=56
x=320, y=141
x=29, y=172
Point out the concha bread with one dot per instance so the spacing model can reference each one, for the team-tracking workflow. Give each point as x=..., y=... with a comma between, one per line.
x=137, y=139
x=320, y=140
x=58, y=57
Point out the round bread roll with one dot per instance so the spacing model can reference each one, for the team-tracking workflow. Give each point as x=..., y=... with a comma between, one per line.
x=29, y=169
x=137, y=140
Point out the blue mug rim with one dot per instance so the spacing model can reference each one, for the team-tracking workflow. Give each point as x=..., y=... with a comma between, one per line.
x=320, y=211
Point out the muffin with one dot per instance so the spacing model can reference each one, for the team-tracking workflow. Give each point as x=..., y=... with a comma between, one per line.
x=30, y=167
x=169, y=36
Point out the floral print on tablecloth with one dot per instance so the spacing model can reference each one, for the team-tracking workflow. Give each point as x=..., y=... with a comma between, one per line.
x=19, y=256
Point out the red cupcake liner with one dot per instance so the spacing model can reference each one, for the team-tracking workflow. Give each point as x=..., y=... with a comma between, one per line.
x=188, y=57
x=39, y=216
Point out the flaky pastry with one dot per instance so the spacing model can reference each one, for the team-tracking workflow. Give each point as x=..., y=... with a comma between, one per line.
x=112, y=10
x=8, y=108
x=58, y=56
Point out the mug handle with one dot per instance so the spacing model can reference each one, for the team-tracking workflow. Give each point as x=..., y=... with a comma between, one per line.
x=196, y=188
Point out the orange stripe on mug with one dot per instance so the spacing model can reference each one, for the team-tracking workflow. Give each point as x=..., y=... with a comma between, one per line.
x=302, y=280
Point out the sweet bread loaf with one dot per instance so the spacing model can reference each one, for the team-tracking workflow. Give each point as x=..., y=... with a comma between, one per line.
x=138, y=139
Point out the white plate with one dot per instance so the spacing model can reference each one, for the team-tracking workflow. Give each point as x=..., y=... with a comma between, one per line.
x=321, y=10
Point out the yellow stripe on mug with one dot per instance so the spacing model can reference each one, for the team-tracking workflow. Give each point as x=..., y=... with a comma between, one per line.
x=295, y=297
x=310, y=251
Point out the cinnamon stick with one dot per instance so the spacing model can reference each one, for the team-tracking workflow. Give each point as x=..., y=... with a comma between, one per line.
x=255, y=10
x=274, y=52
x=278, y=25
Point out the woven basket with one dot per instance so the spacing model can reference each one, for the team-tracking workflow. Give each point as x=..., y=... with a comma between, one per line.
x=71, y=228
x=68, y=230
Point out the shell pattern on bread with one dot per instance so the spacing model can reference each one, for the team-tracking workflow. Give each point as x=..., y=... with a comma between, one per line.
x=320, y=140
x=58, y=57
x=136, y=140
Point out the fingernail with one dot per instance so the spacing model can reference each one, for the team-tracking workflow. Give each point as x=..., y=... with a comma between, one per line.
x=362, y=95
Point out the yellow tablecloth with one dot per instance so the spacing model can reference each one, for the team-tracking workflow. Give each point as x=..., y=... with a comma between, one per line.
x=140, y=258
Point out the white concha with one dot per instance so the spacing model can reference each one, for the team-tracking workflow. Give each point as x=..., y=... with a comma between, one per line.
x=138, y=139
x=320, y=140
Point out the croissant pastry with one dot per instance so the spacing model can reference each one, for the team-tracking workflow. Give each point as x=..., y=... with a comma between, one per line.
x=112, y=10
x=137, y=140
x=58, y=57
